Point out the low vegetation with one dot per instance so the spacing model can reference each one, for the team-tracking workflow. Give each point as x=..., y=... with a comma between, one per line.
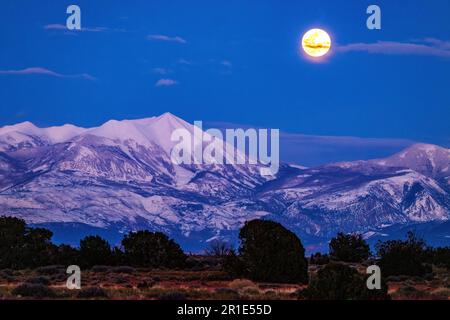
x=270, y=263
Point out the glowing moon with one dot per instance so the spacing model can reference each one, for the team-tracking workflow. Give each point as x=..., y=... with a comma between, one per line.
x=316, y=43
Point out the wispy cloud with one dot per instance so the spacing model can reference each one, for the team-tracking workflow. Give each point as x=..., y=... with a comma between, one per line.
x=161, y=71
x=424, y=47
x=165, y=82
x=57, y=26
x=161, y=37
x=314, y=150
x=44, y=71
x=226, y=63
x=184, y=62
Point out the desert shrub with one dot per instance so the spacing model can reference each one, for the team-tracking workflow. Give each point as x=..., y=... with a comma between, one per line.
x=302, y=293
x=400, y=278
x=441, y=293
x=239, y=284
x=95, y=250
x=337, y=281
x=8, y=278
x=100, y=269
x=349, y=248
x=7, y=272
x=214, y=276
x=411, y=293
x=441, y=257
x=398, y=257
x=172, y=295
x=270, y=252
x=120, y=280
x=8, y=275
x=319, y=259
x=270, y=293
x=92, y=292
x=33, y=290
x=145, y=284
x=252, y=290
x=39, y=280
x=123, y=269
x=226, y=294
x=428, y=276
x=152, y=249
x=51, y=270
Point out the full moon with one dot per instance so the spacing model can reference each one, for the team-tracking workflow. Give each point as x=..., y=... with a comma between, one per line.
x=316, y=43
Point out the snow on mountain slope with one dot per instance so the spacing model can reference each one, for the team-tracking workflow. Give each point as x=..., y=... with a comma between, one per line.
x=120, y=176
x=27, y=135
x=362, y=195
x=430, y=160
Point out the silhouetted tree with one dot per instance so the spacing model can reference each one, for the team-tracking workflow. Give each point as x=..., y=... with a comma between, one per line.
x=24, y=247
x=152, y=249
x=12, y=232
x=94, y=250
x=349, y=248
x=38, y=249
x=272, y=253
x=398, y=257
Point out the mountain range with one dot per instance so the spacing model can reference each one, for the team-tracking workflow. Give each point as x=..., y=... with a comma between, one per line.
x=119, y=177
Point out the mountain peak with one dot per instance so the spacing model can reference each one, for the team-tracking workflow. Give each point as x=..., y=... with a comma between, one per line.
x=428, y=159
x=26, y=127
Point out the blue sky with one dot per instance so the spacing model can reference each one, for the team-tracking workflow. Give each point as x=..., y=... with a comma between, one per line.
x=230, y=61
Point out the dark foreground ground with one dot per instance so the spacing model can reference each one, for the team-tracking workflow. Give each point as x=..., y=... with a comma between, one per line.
x=103, y=282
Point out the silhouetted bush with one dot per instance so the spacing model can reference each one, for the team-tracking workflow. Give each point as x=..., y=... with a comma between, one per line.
x=95, y=250
x=270, y=252
x=67, y=255
x=145, y=284
x=152, y=249
x=92, y=292
x=338, y=281
x=411, y=293
x=349, y=248
x=33, y=290
x=398, y=257
x=441, y=257
x=319, y=259
x=8, y=275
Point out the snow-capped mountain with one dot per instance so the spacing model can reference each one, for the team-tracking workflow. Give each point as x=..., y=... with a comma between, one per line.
x=119, y=176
